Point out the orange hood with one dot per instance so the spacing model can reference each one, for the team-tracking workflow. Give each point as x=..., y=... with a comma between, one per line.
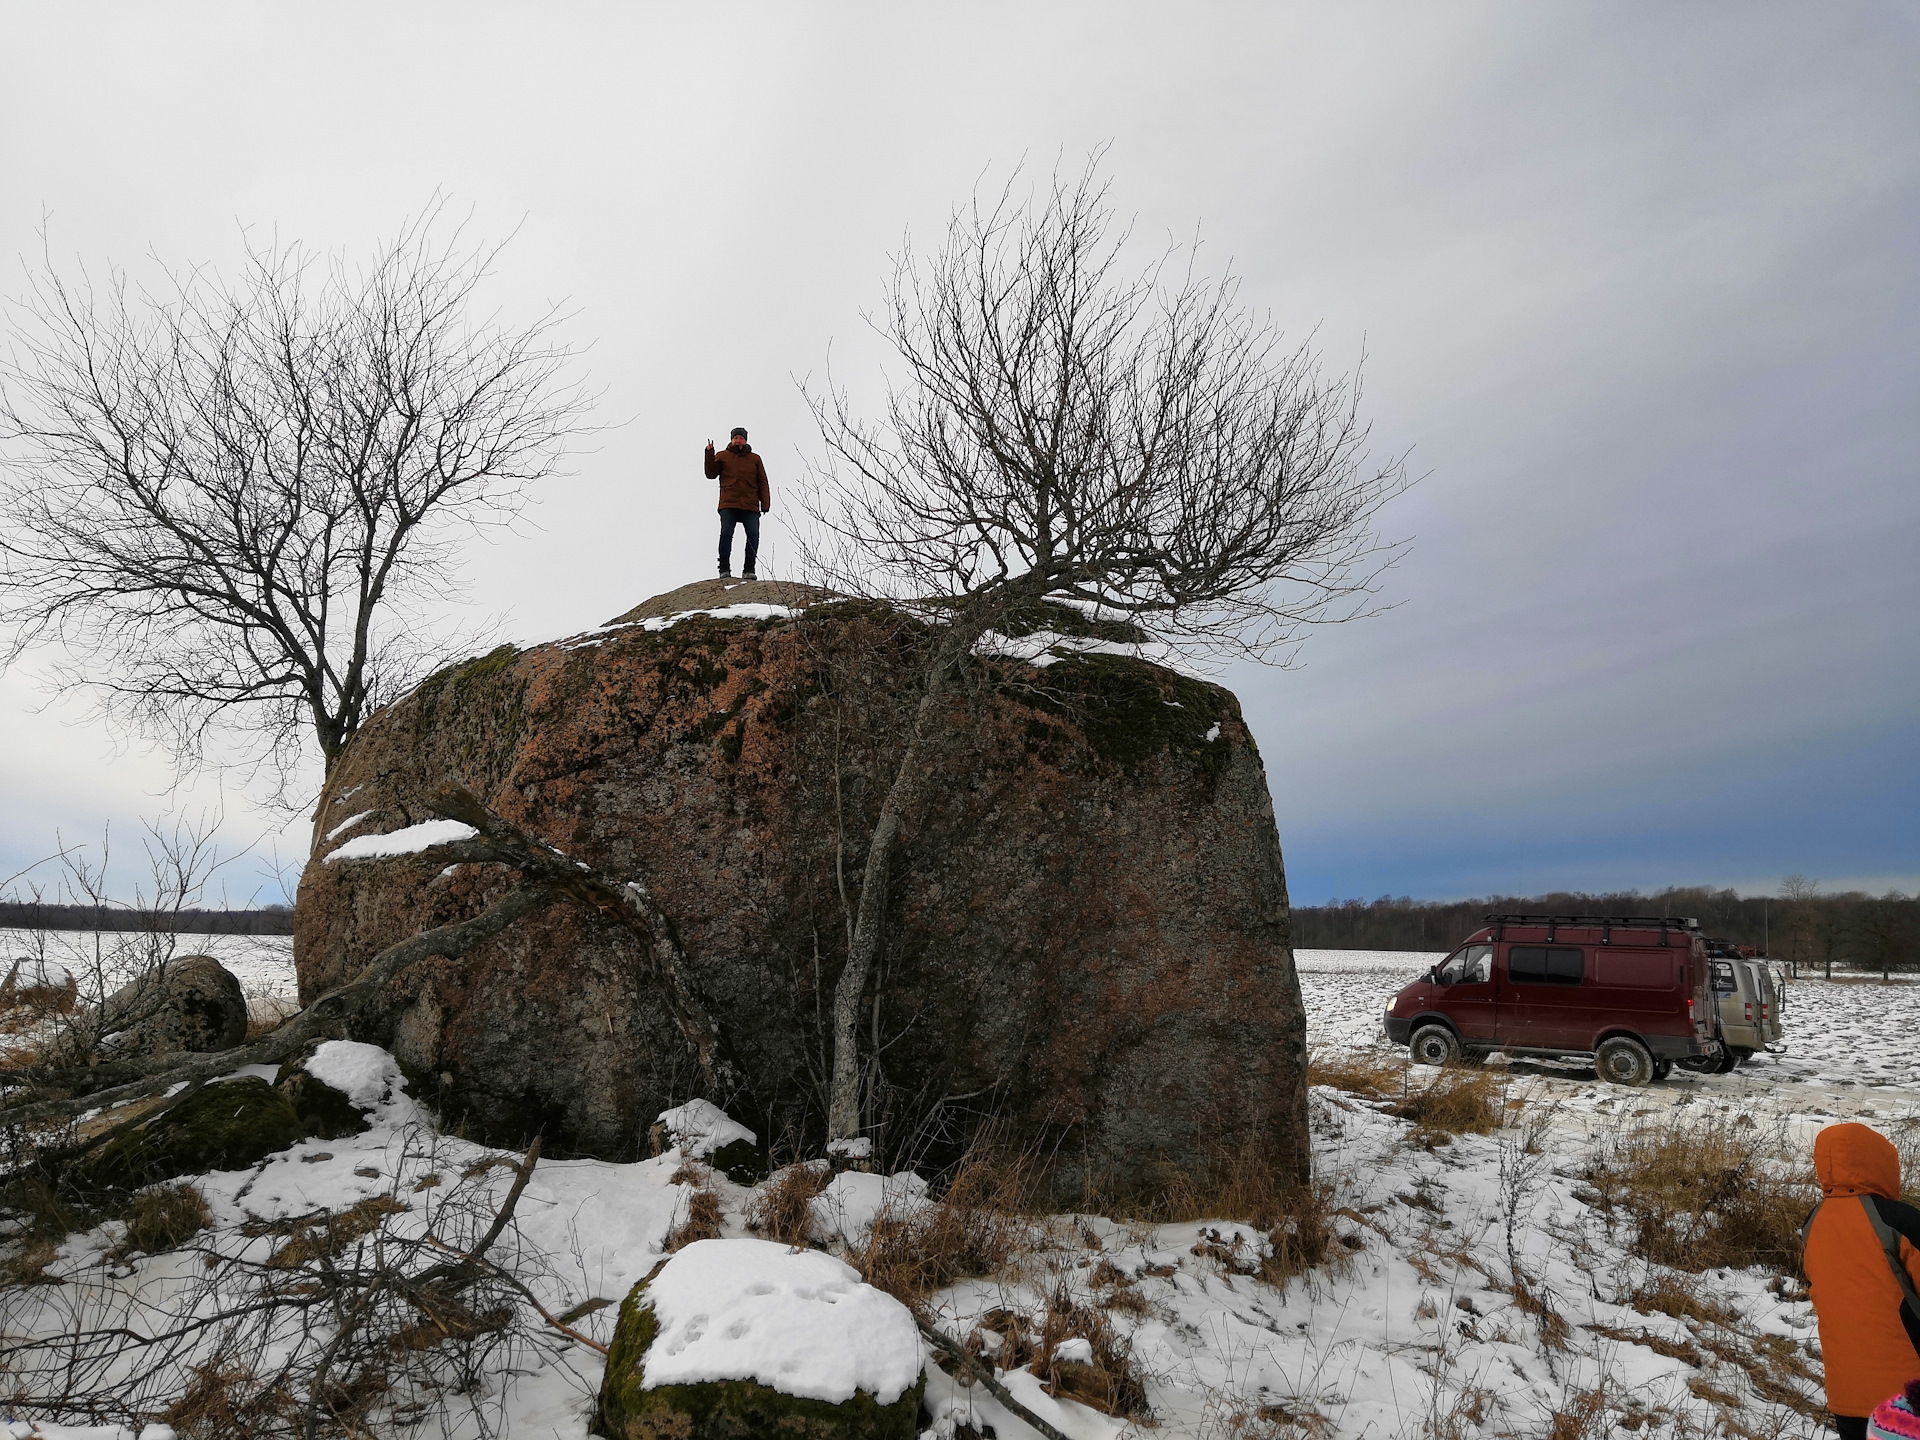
x=1854, y=1159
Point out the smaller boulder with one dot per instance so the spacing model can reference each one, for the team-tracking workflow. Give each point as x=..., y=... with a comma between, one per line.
x=334, y=1084
x=227, y=1125
x=189, y=1003
x=731, y=1338
x=325, y=1113
x=703, y=1131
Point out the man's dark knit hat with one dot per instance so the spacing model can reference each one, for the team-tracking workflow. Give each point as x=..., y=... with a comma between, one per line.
x=739, y=433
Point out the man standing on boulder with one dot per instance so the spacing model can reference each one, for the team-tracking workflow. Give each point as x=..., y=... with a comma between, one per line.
x=744, y=498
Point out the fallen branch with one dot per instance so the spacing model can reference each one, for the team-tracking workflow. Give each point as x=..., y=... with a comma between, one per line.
x=984, y=1374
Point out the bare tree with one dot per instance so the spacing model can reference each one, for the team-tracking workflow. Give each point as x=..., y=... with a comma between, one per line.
x=232, y=502
x=1132, y=443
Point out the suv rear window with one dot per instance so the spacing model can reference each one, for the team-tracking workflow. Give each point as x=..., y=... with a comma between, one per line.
x=1542, y=965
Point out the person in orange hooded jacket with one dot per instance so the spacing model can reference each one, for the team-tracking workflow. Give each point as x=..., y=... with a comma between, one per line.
x=1856, y=1236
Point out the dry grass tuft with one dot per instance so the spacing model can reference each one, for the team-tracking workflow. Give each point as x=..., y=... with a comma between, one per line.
x=979, y=1227
x=1665, y=1295
x=25, y=1005
x=703, y=1207
x=331, y=1234
x=1278, y=1420
x=1554, y=1330
x=267, y=1013
x=1706, y=1192
x=224, y=1401
x=782, y=1208
x=164, y=1218
x=1106, y=1382
x=1369, y=1074
x=1706, y=1390
x=1459, y=1100
x=1660, y=1345
x=1298, y=1218
x=50, y=1217
x=1581, y=1416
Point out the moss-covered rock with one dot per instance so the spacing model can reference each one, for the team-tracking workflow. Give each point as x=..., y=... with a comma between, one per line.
x=741, y=1162
x=325, y=1112
x=192, y=1002
x=228, y=1125
x=728, y=1409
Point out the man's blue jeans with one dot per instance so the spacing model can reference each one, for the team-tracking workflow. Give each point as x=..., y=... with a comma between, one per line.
x=748, y=520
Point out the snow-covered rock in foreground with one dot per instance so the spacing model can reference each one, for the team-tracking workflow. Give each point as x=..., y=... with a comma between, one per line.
x=798, y=1321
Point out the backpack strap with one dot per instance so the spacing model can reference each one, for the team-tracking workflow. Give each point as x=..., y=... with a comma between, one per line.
x=1806, y=1225
x=1890, y=1243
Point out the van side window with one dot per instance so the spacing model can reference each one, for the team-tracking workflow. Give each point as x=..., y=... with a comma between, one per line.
x=1544, y=965
x=1722, y=978
x=1471, y=965
x=1638, y=969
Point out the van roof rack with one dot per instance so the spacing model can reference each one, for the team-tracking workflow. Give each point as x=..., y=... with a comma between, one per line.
x=1606, y=924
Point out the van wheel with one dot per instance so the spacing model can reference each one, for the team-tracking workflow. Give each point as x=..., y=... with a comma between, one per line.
x=1741, y=1055
x=1433, y=1045
x=1623, y=1061
x=1728, y=1059
x=1662, y=1069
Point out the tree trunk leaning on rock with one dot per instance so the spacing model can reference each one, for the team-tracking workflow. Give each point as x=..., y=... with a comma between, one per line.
x=843, y=1104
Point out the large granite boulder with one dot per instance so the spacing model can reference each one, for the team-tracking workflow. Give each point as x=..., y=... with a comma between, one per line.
x=1088, y=932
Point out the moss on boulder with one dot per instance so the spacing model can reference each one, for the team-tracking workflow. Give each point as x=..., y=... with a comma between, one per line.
x=228, y=1125
x=741, y=1161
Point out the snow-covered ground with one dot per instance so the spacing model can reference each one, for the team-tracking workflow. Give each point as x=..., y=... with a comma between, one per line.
x=1413, y=1332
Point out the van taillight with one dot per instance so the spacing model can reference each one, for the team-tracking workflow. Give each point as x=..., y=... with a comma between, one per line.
x=1749, y=1008
x=1689, y=1007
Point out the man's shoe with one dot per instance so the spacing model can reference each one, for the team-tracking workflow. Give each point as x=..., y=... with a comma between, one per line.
x=748, y=575
x=726, y=574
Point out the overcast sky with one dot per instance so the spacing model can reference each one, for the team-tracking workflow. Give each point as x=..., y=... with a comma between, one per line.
x=1637, y=285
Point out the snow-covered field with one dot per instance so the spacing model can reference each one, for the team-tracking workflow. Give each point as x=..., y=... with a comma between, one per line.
x=263, y=963
x=1413, y=1332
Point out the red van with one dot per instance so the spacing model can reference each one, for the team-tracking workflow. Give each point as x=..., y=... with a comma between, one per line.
x=1631, y=991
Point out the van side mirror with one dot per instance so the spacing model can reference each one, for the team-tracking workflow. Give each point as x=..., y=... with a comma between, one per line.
x=1433, y=975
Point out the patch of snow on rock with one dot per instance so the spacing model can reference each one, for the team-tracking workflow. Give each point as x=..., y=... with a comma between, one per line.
x=701, y=1127
x=742, y=611
x=798, y=1321
x=408, y=841
x=347, y=824
x=367, y=1075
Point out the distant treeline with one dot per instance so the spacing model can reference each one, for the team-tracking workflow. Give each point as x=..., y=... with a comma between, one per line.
x=1849, y=929
x=31, y=915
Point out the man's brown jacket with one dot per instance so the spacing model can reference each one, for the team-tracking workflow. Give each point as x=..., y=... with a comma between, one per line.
x=743, y=479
